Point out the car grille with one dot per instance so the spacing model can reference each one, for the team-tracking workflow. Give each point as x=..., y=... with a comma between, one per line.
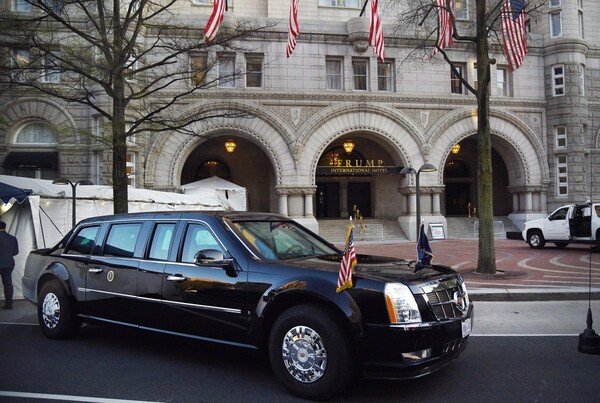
x=442, y=303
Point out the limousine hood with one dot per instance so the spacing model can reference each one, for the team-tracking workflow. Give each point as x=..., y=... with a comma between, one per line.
x=380, y=268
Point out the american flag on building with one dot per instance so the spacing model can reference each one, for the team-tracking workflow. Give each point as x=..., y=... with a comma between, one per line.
x=348, y=262
x=514, y=34
x=294, y=29
x=445, y=27
x=212, y=26
x=376, y=32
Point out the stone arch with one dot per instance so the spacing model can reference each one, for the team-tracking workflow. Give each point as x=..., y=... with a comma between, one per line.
x=259, y=125
x=405, y=139
x=27, y=109
x=519, y=146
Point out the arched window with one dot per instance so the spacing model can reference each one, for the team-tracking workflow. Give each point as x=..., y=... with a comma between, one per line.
x=34, y=152
x=38, y=133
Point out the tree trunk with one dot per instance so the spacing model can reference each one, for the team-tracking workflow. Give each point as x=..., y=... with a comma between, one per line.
x=486, y=262
x=119, y=141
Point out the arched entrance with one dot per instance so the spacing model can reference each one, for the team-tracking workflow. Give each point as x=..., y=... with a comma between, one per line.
x=461, y=181
x=246, y=165
x=354, y=177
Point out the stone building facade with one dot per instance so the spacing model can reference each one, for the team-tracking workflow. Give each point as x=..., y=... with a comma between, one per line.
x=299, y=112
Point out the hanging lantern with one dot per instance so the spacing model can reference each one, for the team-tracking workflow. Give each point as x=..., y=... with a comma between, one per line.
x=230, y=145
x=455, y=148
x=348, y=146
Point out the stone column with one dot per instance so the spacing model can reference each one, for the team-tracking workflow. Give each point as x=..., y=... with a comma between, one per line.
x=283, y=203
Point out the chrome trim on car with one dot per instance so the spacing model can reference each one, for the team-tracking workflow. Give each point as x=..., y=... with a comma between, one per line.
x=161, y=301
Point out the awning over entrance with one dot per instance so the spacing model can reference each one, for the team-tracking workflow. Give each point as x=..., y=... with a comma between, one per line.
x=31, y=160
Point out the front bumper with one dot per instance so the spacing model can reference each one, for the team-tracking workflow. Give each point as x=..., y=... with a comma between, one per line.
x=382, y=347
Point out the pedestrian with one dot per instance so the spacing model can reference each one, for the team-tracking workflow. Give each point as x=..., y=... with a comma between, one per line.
x=9, y=247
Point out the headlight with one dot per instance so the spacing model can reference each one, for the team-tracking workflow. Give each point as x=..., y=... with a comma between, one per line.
x=401, y=305
x=463, y=288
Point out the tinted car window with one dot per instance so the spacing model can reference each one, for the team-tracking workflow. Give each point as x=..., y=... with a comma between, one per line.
x=197, y=237
x=121, y=239
x=84, y=241
x=161, y=241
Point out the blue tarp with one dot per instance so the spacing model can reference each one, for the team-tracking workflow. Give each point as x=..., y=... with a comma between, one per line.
x=8, y=192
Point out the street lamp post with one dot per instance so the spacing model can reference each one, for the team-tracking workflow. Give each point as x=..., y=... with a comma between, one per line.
x=65, y=181
x=427, y=167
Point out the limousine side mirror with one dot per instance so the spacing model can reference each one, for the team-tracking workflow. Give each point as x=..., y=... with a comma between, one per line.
x=214, y=257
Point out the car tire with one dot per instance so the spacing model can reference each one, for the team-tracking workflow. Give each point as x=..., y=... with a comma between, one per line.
x=561, y=244
x=535, y=239
x=56, y=314
x=310, y=353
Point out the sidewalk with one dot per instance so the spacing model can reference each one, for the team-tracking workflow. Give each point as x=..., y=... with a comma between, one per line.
x=523, y=274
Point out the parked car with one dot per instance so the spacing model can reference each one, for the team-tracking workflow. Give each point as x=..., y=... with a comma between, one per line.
x=572, y=223
x=253, y=280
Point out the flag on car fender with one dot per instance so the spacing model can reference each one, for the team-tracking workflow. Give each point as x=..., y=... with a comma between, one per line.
x=347, y=263
x=424, y=253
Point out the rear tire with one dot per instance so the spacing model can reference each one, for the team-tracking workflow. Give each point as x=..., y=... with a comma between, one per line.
x=56, y=314
x=310, y=353
x=535, y=239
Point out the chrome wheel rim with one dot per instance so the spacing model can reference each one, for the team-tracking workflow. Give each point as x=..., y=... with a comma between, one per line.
x=304, y=354
x=51, y=310
x=534, y=240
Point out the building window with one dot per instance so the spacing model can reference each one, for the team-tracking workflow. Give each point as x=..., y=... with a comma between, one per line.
x=226, y=69
x=555, y=25
x=562, y=175
x=503, y=82
x=202, y=1
x=131, y=68
x=33, y=153
x=22, y=6
x=360, y=69
x=560, y=133
x=98, y=168
x=98, y=127
x=580, y=3
x=581, y=30
x=455, y=83
x=582, y=80
x=558, y=80
x=461, y=9
x=333, y=74
x=254, y=73
x=554, y=3
x=198, y=63
x=19, y=64
x=38, y=133
x=385, y=76
x=130, y=169
x=51, y=67
x=340, y=3
x=130, y=136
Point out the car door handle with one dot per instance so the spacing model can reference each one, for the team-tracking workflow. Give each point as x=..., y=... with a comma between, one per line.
x=95, y=270
x=176, y=278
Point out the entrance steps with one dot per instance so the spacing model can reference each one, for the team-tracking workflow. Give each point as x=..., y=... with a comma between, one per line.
x=376, y=230
x=467, y=227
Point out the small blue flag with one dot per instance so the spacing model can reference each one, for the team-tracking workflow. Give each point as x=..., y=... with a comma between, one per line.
x=424, y=254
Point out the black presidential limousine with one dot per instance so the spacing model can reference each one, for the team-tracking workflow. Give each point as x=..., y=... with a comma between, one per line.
x=254, y=280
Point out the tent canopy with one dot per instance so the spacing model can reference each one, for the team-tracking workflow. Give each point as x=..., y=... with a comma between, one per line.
x=230, y=195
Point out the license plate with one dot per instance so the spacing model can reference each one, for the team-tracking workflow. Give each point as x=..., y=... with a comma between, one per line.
x=466, y=327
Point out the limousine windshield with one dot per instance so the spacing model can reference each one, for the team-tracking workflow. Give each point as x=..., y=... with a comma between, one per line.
x=282, y=240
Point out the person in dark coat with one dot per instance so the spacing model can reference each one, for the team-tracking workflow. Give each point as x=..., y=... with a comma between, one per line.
x=9, y=247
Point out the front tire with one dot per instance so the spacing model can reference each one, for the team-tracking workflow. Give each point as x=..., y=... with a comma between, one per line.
x=310, y=353
x=56, y=314
x=535, y=239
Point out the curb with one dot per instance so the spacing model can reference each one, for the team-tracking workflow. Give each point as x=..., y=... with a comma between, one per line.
x=528, y=294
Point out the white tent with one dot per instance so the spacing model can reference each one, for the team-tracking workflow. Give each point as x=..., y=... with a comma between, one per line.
x=229, y=195
x=43, y=218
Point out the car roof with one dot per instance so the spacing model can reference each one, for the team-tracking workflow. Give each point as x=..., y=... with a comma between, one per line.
x=190, y=214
